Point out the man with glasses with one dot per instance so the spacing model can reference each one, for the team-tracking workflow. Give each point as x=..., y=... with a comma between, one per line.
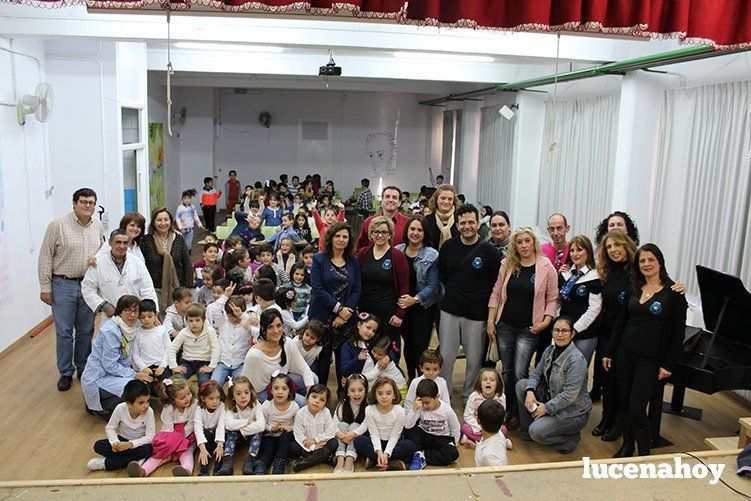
x=116, y=275
x=69, y=246
x=391, y=199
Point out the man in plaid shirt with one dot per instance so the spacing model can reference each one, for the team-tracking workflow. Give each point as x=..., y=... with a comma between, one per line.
x=364, y=204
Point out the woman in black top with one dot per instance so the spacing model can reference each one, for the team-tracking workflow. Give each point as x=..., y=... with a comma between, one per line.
x=500, y=228
x=166, y=255
x=580, y=295
x=646, y=344
x=617, y=251
x=617, y=221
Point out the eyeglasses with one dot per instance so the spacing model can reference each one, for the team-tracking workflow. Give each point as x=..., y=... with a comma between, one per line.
x=132, y=311
x=380, y=233
x=87, y=203
x=562, y=331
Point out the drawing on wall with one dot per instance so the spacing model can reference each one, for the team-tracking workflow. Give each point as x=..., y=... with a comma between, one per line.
x=156, y=164
x=381, y=149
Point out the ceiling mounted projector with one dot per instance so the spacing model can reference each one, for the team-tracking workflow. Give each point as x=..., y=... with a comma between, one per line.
x=330, y=69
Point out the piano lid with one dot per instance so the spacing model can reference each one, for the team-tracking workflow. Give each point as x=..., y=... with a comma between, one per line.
x=715, y=286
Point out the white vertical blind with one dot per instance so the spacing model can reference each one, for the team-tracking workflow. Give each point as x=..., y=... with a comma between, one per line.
x=577, y=178
x=496, y=153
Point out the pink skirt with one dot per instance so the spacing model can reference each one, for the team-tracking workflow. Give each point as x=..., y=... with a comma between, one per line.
x=170, y=444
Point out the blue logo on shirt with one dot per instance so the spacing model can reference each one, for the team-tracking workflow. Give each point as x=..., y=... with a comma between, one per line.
x=655, y=308
x=386, y=264
x=532, y=279
x=581, y=291
x=622, y=297
x=477, y=263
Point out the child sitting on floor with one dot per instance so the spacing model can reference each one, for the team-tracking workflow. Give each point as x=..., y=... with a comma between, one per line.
x=209, y=427
x=279, y=412
x=176, y=441
x=431, y=363
x=244, y=423
x=151, y=345
x=489, y=385
x=200, y=345
x=135, y=419
x=349, y=418
x=314, y=431
x=433, y=427
x=491, y=450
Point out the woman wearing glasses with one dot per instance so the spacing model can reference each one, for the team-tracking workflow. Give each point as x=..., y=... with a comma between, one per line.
x=556, y=401
x=385, y=278
x=522, y=304
x=108, y=368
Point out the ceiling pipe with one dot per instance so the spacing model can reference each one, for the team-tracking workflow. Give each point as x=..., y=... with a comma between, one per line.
x=687, y=54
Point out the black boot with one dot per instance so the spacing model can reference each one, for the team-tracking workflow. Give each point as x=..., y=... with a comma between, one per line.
x=603, y=426
x=261, y=468
x=627, y=449
x=203, y=471
x=312, y=459
x=249, y=464
x=226, y=468
x=643, y=440
x=277, y=468
x=613, y=433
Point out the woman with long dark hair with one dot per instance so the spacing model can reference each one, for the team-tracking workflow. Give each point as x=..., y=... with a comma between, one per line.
x=617, y=221
x=272, y=355
x=336, y=285
x=646, y=344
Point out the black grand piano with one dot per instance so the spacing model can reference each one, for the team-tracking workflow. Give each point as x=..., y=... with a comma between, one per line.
x=716, y=359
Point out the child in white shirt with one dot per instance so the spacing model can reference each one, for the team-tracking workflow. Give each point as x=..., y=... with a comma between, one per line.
x=349, y=418
x=150, y=345
x=310, y=342
x=244, y=423
x=431, y=363
x=209, y=427
x=279, y=412
x=135, y=418
x=433, y=427
x=232, y=324
x=385, y=448
x=491, y=450
x=489, y=385
x=381, y=350
x=174, y=316
x=314, y=431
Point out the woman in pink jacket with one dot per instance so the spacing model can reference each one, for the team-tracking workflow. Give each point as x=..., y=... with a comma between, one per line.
x=522, y=305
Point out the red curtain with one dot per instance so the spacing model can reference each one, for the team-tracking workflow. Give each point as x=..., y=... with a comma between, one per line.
x=723, y=23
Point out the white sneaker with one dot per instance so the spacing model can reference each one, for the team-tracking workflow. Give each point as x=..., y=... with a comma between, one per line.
x=95, y=464
x=509, y=444
x=337, y=471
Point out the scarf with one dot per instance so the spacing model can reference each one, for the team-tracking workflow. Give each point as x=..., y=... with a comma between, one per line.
x=569, y=285
x=444, y=222
x=169, y=273
x=128, y=334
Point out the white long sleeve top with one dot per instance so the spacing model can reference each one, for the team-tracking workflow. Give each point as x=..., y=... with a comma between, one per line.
x=105, y=283
x=204, y=347
x=371, y=372
x=173, y=321
x=470, y=410
x=320, y=427
x=207, y=420
x=150, y=347
x=387, y=426
x=492, y=451
x=259, y=367
x=441, y=422
x=291, y=326
x=338, y=418
x=171, y=416
x=237, y=420
x=311, y=355
x=274, y=416
x=234, y=339
x=140, y=431
x=443, y=391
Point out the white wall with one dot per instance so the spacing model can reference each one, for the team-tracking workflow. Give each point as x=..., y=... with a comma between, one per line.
x=258, y=153
x=25, y=208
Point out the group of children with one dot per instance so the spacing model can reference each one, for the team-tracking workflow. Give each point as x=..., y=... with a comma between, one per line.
x=368, y=421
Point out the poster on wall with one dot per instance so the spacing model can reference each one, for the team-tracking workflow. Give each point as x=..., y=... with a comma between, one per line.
x=156, y=164
x=4, y=250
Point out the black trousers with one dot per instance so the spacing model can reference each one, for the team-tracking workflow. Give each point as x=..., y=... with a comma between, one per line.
x=332, y=347
x=637, y=382
x=417, y=328
x=297, y=450
x=275, y=447
x=118, y=460
x=209, y=214
x=609, y=384
x=439, y=450
x=210, y=435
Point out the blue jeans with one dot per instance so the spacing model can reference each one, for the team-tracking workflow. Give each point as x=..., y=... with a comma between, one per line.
x=70, y=311
x=193, y=367
x=516, y=345
x=301, y=390
x=188, y=237
x=221, y=372
x=586, y=347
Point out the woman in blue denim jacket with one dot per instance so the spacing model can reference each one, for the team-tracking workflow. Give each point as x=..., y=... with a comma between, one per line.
x=556, y=400
x=425, y=291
